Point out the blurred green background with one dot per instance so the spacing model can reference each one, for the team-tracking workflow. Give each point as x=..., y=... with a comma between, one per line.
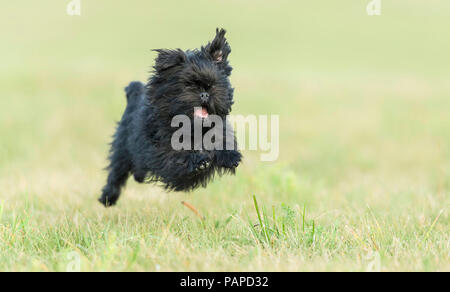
x=364, y=125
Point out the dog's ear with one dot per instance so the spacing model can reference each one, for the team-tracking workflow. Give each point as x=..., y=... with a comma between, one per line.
x=168, y=58
x=218, y=49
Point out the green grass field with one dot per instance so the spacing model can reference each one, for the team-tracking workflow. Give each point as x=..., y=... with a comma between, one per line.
x=363, y=178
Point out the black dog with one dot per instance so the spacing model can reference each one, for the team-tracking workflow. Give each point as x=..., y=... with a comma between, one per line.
x=182, y=81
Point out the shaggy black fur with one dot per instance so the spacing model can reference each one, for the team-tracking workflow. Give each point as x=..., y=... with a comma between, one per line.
x=142, y=142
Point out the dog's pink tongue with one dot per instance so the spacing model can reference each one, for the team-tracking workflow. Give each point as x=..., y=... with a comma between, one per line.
x=201, y=113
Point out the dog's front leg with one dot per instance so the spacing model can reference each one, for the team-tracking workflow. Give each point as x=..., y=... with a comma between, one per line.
x=229, y=159
x=198, y=161
x=229, y=156
x=181, y=163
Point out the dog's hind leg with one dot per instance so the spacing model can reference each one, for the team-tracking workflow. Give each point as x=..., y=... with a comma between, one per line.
x=139, y=176
x=119, y=168
x=119, y=172
x=120, y=165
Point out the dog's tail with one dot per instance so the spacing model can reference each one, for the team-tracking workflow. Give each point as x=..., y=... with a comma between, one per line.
x=134, y=91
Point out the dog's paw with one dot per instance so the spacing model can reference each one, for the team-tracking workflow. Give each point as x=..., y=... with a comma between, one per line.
x=198, y=162
x=228, y=159
x=202, y=165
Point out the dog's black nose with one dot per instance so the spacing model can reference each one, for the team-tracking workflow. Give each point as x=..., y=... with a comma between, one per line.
x=204, y=96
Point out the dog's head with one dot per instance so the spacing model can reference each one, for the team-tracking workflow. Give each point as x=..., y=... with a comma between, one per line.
x=185, y=80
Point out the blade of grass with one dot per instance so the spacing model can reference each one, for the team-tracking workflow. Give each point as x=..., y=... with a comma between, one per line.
x=193, y=209
x=275, y=221
x=432, y=225
x=261, y=223
x=303, y=219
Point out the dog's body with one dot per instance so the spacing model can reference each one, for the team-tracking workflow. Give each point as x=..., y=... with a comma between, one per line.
x=142, y=146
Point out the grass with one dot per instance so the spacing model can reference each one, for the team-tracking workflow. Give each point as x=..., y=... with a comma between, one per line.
x=363, y=178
